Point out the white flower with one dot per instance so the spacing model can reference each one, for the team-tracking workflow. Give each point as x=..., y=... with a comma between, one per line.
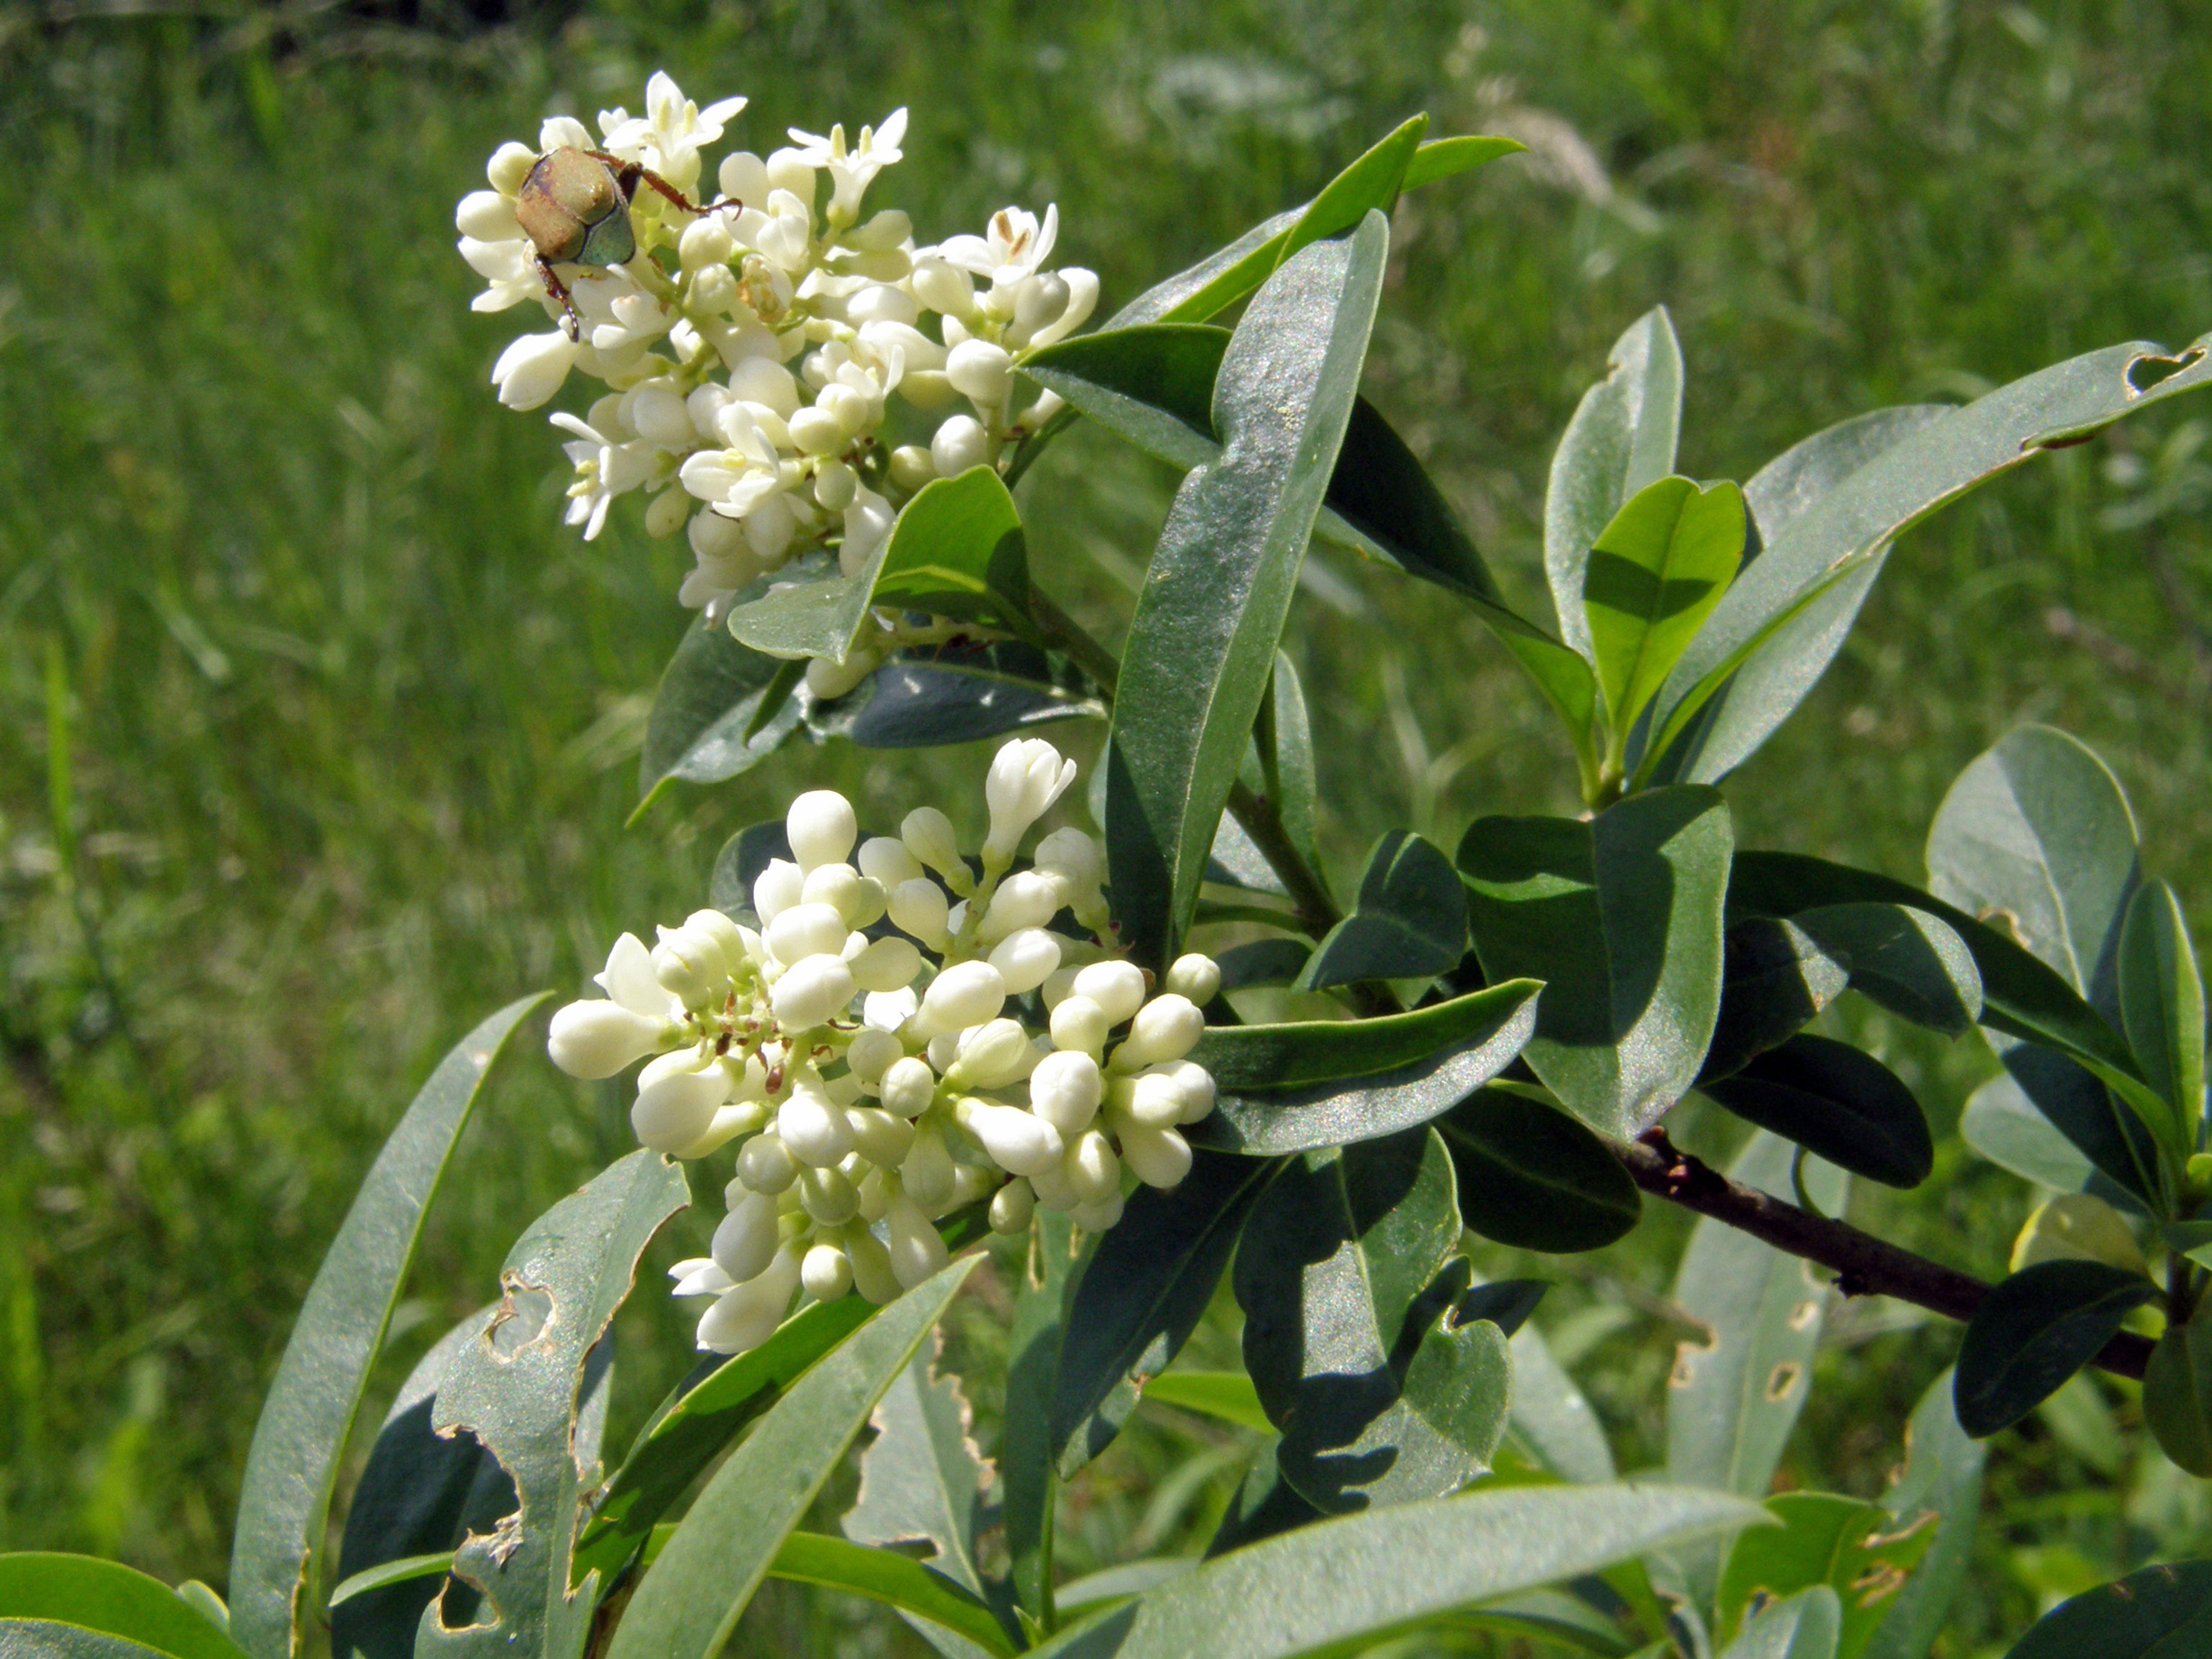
x=853, y=170
x=606, y=467
x=1013, y=249
x=737, y=479
x=531, y=368
x=1027, y=777
x=667, y=138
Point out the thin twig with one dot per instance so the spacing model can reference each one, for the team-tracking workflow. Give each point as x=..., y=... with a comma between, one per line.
x=1865, y=1266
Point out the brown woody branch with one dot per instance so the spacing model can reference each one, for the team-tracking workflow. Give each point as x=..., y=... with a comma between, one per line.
x=1865, y=1266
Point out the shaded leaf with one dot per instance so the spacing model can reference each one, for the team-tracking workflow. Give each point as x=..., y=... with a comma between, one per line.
x=1264, y=1505
x=1280, y=767
x=308, y=1413
x=2003, y=1125
x=1907, y=960
x=1775, y=978
x=1308, y=1084
x=2177, y=1394
x=104, y=1598
x=882, y=1575
x=1620, y=917
x=1228, y=1395
x=1942, y=1474
x=1834, y=1101
x=1653, y=575
x=721, y=708
x=1262, y=962
x=2162, y=1005
x=2148, y=1615
x=1534, y=1178
x=41, y=1639
x=1027, y=1453
x=2033, y=1332
x=955, y=694
x=1550, y=1418
x=1850, y=1545
x=922, y=1478
x=1803, y=1627
x=1410, y=920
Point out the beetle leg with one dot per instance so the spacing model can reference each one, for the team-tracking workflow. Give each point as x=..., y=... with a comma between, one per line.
x=559, y=290
x=629, y=175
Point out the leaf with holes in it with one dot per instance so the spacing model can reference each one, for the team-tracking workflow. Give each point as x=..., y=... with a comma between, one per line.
x=515, y=1388
x=1835, y=1102
x=2162, y=1612
x=1534, y=1178
x=2033, y=1332
x=1851, y=1546
x=1942, y=1476
x=922, y=1479
x=1386, y=1387
x=1652, y=575
x=1410, y=920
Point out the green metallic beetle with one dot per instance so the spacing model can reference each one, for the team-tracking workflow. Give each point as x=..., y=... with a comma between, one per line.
x=574, y=206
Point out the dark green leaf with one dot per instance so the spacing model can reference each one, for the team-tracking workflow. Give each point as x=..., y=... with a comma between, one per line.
x=1347, y=1274
x=1152, y=385
x=721, y=709
x=109, y=1599
x=1620, y=917
x=1942, y=1477
x=2004, y=1125
x=1534, y=1178
x=1410, y=920
x=1907, y=960
x=309, y=1415
x=1318, y=1083
x=1550, y=1420
x=1228, y=1395
x=1140, y=1295
x=1844, y=1543
x=694, y=1429
x=2162, y=1612
x=881, y=1576
x=518, y=1389
x=40, y=1638
x=1506, y=1303
x=1162, y=301
x=1834, y=1101
x=2162, y=1004
x=954, y=694
x=1447, y=158
x=1775, y=977
x=1861, y=516
x=1264, y=1505
x=1027, y=1461
x=922, y=1478
x=739, y=864
x=2033, y=1332
x=1282, y=746
x=1202, y=642
x=1654, y=574
x=1262, y=962
x=2082, y=1109
x=690, y=1599
x=2177, y=1394
x=1621, y=438
x=1351, y=1581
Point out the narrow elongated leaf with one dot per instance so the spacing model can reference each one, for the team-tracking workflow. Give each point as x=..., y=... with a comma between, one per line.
x=2160, y=1612
x=690, y=1599
x=406, y=1569
x=2113, y=1138
x=42, y=1639
x=2033, y=1332
x=1653, y=575
x=309, y=1415
x=1282, y=751
x=1942, y=1476
x=1360, y=1578
x=1228, y=1395
x=1620, y=917
x=1534, y=1178
x=518, y=1388
x=1027, y=1461
x=1314, y=1083
x=1843, y=1543
x=1621, y=438
x=1775, y=978
x=1202, y=642
x=1140, y=1294
x=882, y=1575
x=721, y=709
x=2176, y=1395
x=1348, y=1273
x=1441, y=158
x=1835, y=1102
x=110, y=1599
x=1805, y=1626
x=1410, y=920
x=2162, y=1004
x=922, y=1478
x=1933, y=464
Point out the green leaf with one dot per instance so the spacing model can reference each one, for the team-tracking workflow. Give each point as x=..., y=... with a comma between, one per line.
x=721, y=709
x=1202, y=642
x=922, y=1478
x=1907, y=960
x=1027, y=1461
x=39, y=1638
x=2177, y=1394
x=1731, y=1402
x=1558, y=1619
x=2162, y=1612
x=693, y=1429
x=2162, y=1005
x=1797, y=479
x=1775, y=978
x=2113, y=1138
x=1650, y=578
x=1621, y=438
x=1835, y=1102
x=1803, y=1627
x=955, y=694
x=1620, y=917
x=1943, y=1477
x=1550, y=1420
x=1262, y=962
x=1282, y=748
x=1348, y=1274
x=1843, y=1543
x=1534, y=1178
x=1140, y=1294
x=1356, y=1579
x=1151, y=384
x=1409, y=922
x=1228, y=1395
x=283, y=1504
x=690, y=1599
x=404, y=1569
x=1309, y=1084
x=1861, y=516
x=2033, y=1332
x=518, y=1389
x=106, y=1598
x=882, y=1576
x=2004, y=1125
x=1264, y=1505
x=1441, y=158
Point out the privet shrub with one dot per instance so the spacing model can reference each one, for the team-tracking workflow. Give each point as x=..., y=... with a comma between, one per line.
x=891, y=1047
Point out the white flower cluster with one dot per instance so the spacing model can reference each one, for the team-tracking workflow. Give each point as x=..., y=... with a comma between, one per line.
x=750, y=350
x=857, y=1132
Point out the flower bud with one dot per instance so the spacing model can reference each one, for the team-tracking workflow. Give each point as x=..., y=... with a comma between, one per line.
x=1059, y=985
x=1019, y=1142
x=1156, y=1099
x=926, y=1172
x=675, y=1104
x=966, y=994
x=1011, y=1206
x=970, y=1182
x=890, y=964
x=1023, y=900
x=1198, y=1088
x=825, y=1273
x=822, y=827
x=1194, y=976
x=1026, y=959
x=1157, y=1157
x=912, y=466
x=812, y=992
x=919, y=907
x=907, y=1088
x=837, y=886
x=916, y=1250
x=768, y=530
x=1080, y=1025
x=713, y=537
x=1052, y=1189
x=691, y=966
x=827, y=681
x=704, y=242
x=1117, y=987
x=1066, y=1090
x=510, y=163
x=765, y=1164
x=814, y=1128
x=1027, y=775
x=699, y=1277
x=747, y=1316
x=872, y=1053
x=960, y=443
x=927, y=835
x=846, y=406
x=806, y=930
x=745, y=1242
x=943, y=1050
x=777, y=889
x=744, y=176
x=885, y=860
x=1168, y=1028
x=488, y=216
x=531, y=370
x=1072, y=861
x=597, y=1038
x=1097, y=1217
x=879, y=1135
x=1090, y=1168
x=991, y=1055
x=835, y=485
x=816, y=432
x=828, y=1195
x=980, y=372
x=871, y=1267
x=944, y=287
x=726, y=933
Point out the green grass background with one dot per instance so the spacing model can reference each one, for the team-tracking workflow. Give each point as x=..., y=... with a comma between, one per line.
x=317, y=730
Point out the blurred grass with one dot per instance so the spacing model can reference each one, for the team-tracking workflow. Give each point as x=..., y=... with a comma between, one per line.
x=317, y=731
